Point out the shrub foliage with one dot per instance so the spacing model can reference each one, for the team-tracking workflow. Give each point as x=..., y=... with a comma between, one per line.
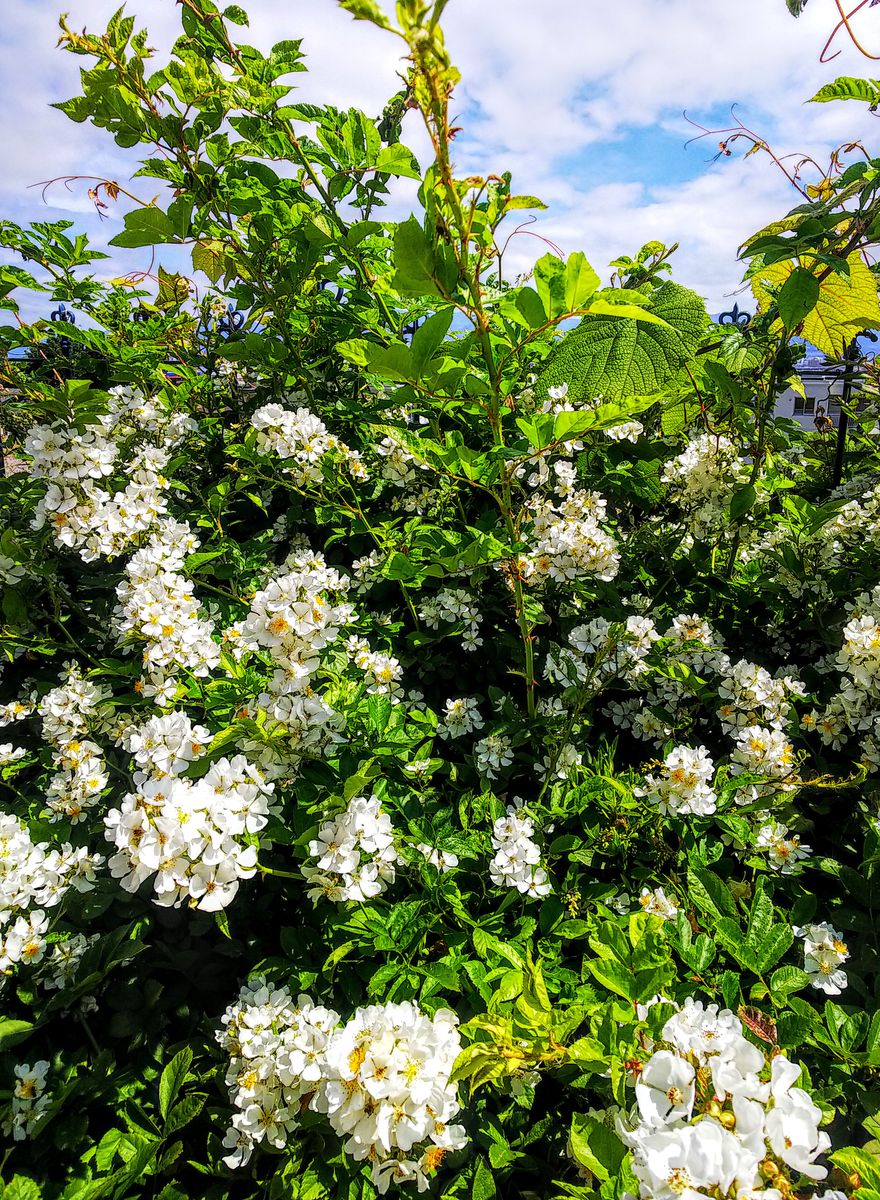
x=443, y=709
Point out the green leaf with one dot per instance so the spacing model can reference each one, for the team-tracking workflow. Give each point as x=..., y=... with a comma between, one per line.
x=617, y=357
x=172, y=1079
x=797, y=297
x=209, y=257
x=398, y=160
x=858, y=1162
x=742, y=501
x=366, y=10
x=428, y=338
x=772, y=947
x=391, y=362
x=786, y=980
x=20, y=1188
x=579, y=281
x=549, y=276
x=145, y=227
x=513, y=202
x=483, y=1187
x=235, y=14
x=596, y=1147
x=184, y=1112
x=12, y=1032
x=615, y=976
x=709, y=893
x=420, y=269
x=846, y=87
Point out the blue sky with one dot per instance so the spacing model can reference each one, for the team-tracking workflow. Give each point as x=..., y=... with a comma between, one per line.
x=581, y=99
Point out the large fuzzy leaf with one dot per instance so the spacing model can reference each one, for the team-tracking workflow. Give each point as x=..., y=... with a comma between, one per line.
x=845, y=305
x=617, y=357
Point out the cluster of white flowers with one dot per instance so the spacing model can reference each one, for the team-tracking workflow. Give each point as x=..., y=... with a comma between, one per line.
x=292, y=619
x=355, y=854
x=751, y=695
x=398, y=465
x=34, y=877
x=454, y=606
x=691, y=645
x=156, y=606
x=189, y=835
x=517, y=860
x=443, y=860
x=824, y=951
x=703, y=478
x=784, y=849
x=492, y=754
x=133, y=439
x=381, y=1079
x=600, y=651
x=67, y=712
x=559, y=764
x=383, y=672
x=11, y=572
x=683, y=789
x=366, y=571
x=714, y=1118
x=29, y=1100
x=460, y=716
x=303, y=441
x=58, y=970
x=764, y=752
x=658, y=904
x=167, y=744
x=567, y=540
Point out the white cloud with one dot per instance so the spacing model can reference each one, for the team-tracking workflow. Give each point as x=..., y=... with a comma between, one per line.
x=545, y=85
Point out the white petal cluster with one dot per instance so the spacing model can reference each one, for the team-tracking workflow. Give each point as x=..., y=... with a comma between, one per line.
x=156, y=606
x=703, y=478
x=683, y=788
x=276, y=1063
x=454, y=606
x=443, y=860
x=460, y=716
x=765, y=752
x=34, y=877
x=381, y=1079
x=598, y=651
x=383, y=672
x=193, y=838
x=824, y=951
x=29, y=1099
x=355, y=855
x=492, y=754
x=784, y=849
x=658, y=904
x=517, y=859
x=67, y=711
x=752, y=696
x=387, y=1091
x=83, y=505
x=567, y=540
x=303, y=441
x=713, y=1117
x=292, y=620
x=167, y=744
x=859, y=656
x=398, y=465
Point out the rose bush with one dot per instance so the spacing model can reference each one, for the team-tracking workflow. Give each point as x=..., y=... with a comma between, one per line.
x=443, y=710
